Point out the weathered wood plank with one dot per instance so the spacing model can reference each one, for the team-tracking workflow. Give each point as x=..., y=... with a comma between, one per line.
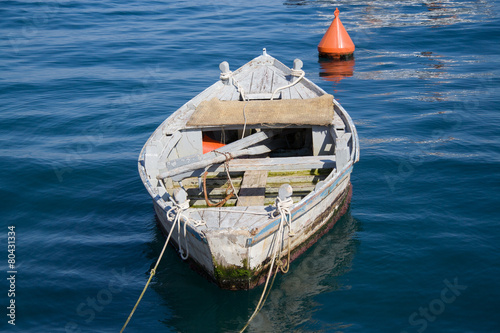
x=337, y=122
x=232, y=202
x=258, y=96
x=192, y=182
x=245, y=82
x=202, y=204
x=180, y=117
x=190, y=143
x=228, y=219
x=304, y=92
x=151, y=156
x=258, y=78
x=279, y=163
x=296, y=179
x=281, y=67
x=306, y=84
x=285, y=94
x=322, y=141
x=182, y=165
x=263, y=191
x=186, y=170
x=266, y=84
x=294, y=93
x=172, y=141
x=236, y=95
x=227, y=93
x=253, y=188
x=173, y=154
x=279, y=80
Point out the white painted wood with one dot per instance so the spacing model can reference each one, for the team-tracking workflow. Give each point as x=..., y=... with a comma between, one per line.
x=245, y=82
x=151, y=157
x=259, y=251
x=322, y=141
x=279, y=80
x=255, y=96
x=310, y=86
x=226, y=94
x=337, y=122
x=210, y=217
x=190, y=143
x=342, y=153
x=228, y=219
x=284, y=94
x=198, y=161
x=173, y=154
x=236, y=96
x=294, y=93
x=253, y=188
x=264, y=83
x=279, y=163
x=170, y=144
x=280, y=67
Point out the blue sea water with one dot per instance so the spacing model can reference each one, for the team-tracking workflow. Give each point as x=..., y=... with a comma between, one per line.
x=84, y=83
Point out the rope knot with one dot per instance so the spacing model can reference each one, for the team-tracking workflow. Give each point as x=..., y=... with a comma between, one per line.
x=183, y=206
x=283, y=206
x=228, y=155
x=177, y=216
x=177, y=209
x=226, y=75
x=230, y=190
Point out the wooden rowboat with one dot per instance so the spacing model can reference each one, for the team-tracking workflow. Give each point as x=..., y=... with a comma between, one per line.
x=251, y=172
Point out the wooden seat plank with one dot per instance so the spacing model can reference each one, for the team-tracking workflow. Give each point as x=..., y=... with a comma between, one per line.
x=253, y=188
x=278, y=163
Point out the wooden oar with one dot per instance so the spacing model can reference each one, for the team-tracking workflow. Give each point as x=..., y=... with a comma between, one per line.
x=235, y=149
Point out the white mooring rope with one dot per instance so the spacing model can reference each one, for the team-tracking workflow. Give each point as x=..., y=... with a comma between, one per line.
x=176, y=215
x=284, y=208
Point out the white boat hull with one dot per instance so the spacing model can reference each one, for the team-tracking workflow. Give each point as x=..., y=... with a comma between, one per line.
x=303, y=134
x=236, y=259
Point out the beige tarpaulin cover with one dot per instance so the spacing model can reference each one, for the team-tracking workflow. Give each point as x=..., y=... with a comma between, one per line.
x=312, y=111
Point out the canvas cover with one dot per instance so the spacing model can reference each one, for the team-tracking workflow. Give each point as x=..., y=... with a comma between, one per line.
x=312, y=111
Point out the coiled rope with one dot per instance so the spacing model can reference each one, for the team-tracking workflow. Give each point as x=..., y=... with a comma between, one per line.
x=284, y=209
x=230, y=191
x=175, y=214
x=299, y=73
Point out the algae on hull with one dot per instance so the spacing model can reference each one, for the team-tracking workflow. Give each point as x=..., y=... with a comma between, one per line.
x=234, y=277
x=241, y=277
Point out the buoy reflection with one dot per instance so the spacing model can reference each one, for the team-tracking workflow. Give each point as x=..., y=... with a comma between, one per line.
x=334, y=70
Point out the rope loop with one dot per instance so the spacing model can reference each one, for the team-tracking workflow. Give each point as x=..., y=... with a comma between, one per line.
x=226, y=75
x=230, y=190
x=228, y=155
x=173, y=212
x=284, y=208
x=176, y=215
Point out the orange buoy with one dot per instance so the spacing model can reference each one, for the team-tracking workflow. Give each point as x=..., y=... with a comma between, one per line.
x=336, y=42
x=210, y=144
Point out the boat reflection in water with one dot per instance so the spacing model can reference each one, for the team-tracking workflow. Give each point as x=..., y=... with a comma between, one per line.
x=193, y=304
x=335, y=70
